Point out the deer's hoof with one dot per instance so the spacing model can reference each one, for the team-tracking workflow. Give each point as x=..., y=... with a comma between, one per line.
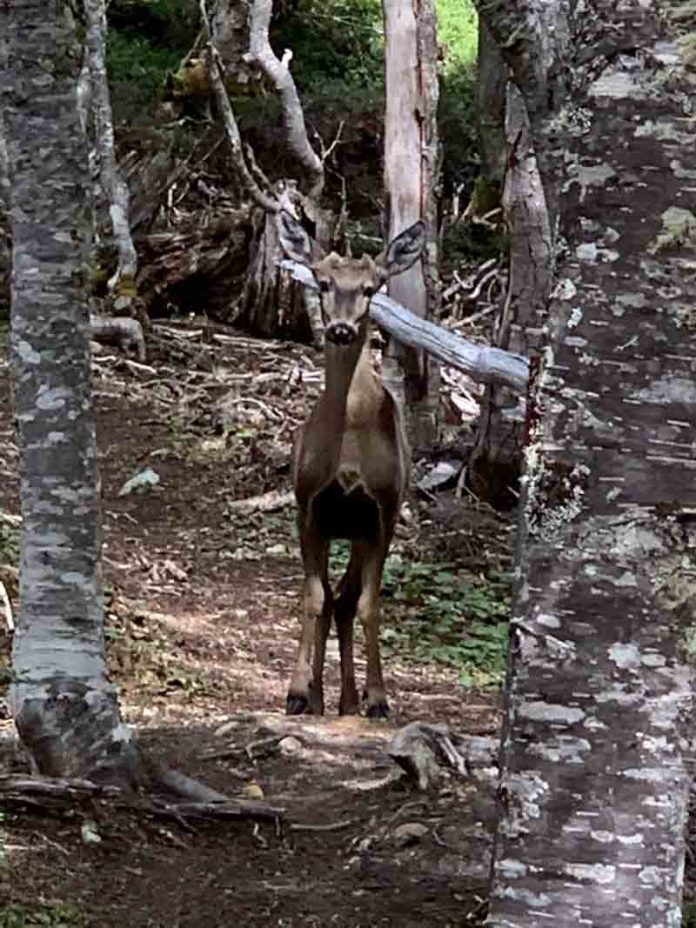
x=380, y=710
x=296, y=705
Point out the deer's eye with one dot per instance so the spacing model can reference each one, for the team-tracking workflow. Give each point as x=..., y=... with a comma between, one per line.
x=324, y=286
x=369, y=292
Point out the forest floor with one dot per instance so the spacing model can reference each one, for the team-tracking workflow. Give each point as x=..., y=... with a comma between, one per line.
x=202, y=622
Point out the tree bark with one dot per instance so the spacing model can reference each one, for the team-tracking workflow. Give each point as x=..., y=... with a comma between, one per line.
x=5, y=258
x=411, y=171
x=122, y=283
x=598, y=735
x=491, y=81
x=230, y=23
x=496, y=459
x=64, y=707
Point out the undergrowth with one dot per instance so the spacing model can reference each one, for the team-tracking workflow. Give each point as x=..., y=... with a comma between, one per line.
x=46, y=915
x=437, y=613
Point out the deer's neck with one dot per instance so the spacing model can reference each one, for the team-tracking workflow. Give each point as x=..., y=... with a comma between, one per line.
x=345, y=370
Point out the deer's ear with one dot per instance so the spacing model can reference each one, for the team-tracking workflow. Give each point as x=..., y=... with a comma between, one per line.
x=294, y=239
x=402, y=251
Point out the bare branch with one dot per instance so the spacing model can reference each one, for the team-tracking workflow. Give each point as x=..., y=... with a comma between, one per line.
x=278, y=71
x=216, y=73
x=480, y=362
x=114, y=186
x=7, y=607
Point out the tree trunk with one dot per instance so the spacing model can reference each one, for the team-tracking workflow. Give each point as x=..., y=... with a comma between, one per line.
x=64, y=707
x=230, y=26
x=598, y=733
x=272, y=304
x=5, y=254
x=411, y=171
x=122, y=283
x=535, y=61
x=495, y=462
x=491, y=80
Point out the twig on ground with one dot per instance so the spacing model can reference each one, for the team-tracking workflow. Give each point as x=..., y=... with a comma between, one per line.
x=331, y=826
x=265, y=502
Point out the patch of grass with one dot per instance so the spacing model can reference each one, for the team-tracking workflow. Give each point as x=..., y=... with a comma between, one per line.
x=438, y=614
x=46, y=915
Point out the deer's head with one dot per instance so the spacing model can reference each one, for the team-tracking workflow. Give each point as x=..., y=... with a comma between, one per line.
x=346, y=285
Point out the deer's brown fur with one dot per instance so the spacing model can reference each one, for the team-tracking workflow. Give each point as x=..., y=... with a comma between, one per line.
x=350, y=473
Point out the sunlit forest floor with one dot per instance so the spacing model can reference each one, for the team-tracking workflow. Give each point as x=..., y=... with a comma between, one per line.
x=202, y=621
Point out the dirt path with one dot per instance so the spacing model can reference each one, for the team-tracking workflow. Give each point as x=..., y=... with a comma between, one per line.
x=202, y=621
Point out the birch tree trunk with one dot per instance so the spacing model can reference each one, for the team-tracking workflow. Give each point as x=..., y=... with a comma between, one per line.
x=411, y=170
x=64, y=707
x=598, y=731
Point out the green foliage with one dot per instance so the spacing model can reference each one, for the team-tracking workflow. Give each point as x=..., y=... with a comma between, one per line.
x=36, y=915
x=333, y=42
x=137, y=61
x=165, y=23
x=9, y=543
x=436, y=613
x=457, y=32
x=689, y=915
x=458, y=36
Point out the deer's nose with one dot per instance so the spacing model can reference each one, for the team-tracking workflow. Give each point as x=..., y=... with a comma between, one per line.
x=341, y=333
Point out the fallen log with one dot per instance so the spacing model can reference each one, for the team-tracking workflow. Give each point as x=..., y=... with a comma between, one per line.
x=481, y=362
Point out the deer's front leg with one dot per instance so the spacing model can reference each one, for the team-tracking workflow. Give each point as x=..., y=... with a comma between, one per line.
x=305, y=693
x=368, y=611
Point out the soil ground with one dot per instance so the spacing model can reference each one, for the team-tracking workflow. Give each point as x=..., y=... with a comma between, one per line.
x=202, y=623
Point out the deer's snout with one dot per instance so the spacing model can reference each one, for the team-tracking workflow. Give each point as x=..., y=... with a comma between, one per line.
x=341, y=333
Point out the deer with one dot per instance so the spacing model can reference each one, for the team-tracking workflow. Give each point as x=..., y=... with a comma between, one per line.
x=350, y=466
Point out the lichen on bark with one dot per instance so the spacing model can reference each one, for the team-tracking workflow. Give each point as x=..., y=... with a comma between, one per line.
x=64, y=707
x=597, y=738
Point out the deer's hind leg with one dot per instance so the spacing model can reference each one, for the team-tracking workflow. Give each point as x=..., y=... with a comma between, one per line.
x=344, y=614
x=306, y=688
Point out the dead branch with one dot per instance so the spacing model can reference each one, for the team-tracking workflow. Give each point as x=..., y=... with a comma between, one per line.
x=216, y=72
x=125, y=332
x=278, y=71
x=265, y=502
x=330, y=826
x=243, y=810
x=481, y=362
x=422, y=750
x=48, y=793
x=31, y=787
x=112, y=182
x=7, y=607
